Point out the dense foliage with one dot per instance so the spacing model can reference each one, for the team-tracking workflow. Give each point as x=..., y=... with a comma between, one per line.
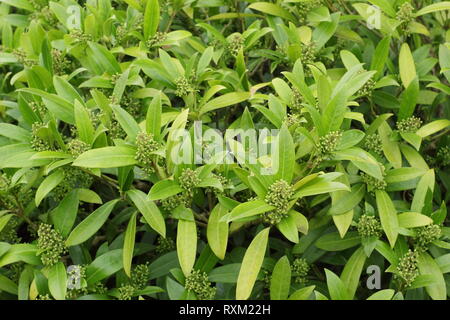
x=102, y=192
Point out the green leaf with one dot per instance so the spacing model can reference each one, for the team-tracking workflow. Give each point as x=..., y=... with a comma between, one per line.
x=127, y=122
x=336, y=287
x=425, y=185
x=164, y=189
x=280, y=281
x=302, y=294
x=186, y=245
x=362, y=160
x=406, y=65
x=57, y=281
x=408, y=99
x=273, y=9
x=225, y=100
x=103, y=266
x=249, y=209
x=385, y=294
x=349, y=201
x=227, y=273
x=64, y=215
x=149, y=210
x=91, y=224
x=352, y=271
x=107, y=157
x=388, y=216
x=48, y=185
x=433, y=127
x=251, y=264
x=413, y=220
x=153, y=119
x=380, y=56
x=151, y=18
x=288, y=226
x=85, y=129
x=284, y=156
x=217, y=231
x=334, y=242
x=128, y=244
x=8, y=285
x=428, y=266
x=14, y=132
x=102, y=59
x=441, y=6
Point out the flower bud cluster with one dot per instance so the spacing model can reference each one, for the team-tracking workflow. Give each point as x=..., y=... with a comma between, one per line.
x=426, y=235
x=278, y=195
x=407, y=269
x=198, y=283
x=50, y=244
x=369, y=226
x=411, y=124
x=373, y=143
x=300, y=270
x=146, y=145
x=164, y=245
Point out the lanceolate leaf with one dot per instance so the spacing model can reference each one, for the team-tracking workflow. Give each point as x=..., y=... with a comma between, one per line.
x=280, y=280
x=186, y=245
x=149, y=210
x=388, y=216
x=251, y=265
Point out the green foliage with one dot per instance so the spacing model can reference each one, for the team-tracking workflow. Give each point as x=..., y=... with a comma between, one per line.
x=154, y=149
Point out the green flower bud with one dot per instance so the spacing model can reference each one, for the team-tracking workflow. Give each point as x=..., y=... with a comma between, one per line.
x=77, y=147
x=165, y=245
x=38, y=108
x=38, y=143
x=426, y=235
x=309, y=53
x=407, y=269
x=140, y=276
x=292, y=120
x=329, y=142
x=21, y=56
x=61, y=64
x=366, y=89
x=369, y=226
x=296, y=101
x=373, y=143
x=9, y=232
x=198, y=283
x=74, y=178
x=443, y=156
x=304, y=7
x=157, y=39
x=183, y=87
x=411, y=124
x=373, y=184
x=300, y=270
x=278, y=195
x=235, y=44
x=188, y=180
x=170, y=203
x=267, y=277
x=405, y=15
x=79, y=37
x=126, y=292
x=43, y=297
x=116, y=131
x=146, y=145
x=50, y=244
